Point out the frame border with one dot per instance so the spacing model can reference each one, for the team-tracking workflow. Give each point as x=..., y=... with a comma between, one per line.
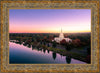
x=48, y=2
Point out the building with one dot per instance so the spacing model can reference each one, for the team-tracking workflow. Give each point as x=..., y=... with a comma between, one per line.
x=61, y=37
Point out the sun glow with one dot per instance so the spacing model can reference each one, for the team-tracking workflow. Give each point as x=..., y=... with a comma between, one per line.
x=32, y=21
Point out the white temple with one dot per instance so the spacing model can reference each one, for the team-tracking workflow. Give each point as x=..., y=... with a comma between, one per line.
x=61, y=37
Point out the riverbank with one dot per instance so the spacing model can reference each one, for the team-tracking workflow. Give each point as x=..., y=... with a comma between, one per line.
x=63, y=52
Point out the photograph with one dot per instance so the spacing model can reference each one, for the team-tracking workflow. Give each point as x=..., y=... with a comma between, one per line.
x=49, y=36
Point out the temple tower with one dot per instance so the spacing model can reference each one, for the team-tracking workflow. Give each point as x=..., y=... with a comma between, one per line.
x=61, y=35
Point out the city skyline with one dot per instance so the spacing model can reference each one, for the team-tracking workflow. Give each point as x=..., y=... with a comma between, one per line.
x=49, y=20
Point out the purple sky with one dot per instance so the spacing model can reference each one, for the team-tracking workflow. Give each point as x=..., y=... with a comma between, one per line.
x=49, y=20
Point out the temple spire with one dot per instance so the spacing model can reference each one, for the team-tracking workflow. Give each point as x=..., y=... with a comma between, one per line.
x=61, y=34
x=61, y=37
x=61, y=30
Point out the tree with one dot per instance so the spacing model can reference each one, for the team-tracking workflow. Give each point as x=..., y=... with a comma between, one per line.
x=54, y=44
x=48, y=51
x=76, y=42
x=44, y=43
x=54, y=55
x=44, y=50
x=68, y=46
x=41, y=42
x=63, y=42
x=88, y=51
x=48, y=45
x=68, y=59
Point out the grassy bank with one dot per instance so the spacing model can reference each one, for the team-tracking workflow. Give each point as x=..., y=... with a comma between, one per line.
x=63, y=52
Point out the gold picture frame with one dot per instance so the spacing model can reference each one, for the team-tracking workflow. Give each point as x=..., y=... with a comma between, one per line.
x=68, y=4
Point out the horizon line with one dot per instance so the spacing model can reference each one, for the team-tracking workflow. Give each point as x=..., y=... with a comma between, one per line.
x=48, y=32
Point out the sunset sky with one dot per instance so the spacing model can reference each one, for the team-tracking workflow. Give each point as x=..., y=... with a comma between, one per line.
x=49, y=20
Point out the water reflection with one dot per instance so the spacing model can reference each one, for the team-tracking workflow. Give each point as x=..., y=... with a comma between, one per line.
x=29, y=46
x=18, y=42
x=48, y=51
x=24, y=44
x=54, y=55
x=68, y=59
x=44, y=50
x=23, y=54
x=33, y=47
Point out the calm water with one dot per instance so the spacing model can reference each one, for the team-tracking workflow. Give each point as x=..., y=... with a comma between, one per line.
x=20, y=54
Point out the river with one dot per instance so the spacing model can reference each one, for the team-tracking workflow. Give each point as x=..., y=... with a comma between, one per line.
x=20, y=54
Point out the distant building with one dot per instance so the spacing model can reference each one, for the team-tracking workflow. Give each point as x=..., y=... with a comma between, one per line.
x=61, y=37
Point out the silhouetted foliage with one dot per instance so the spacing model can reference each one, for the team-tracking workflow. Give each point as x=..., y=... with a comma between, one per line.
x=54, y=44
x=54, y=55
x=68, y=59
x=68, y=46
x=63, y=42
